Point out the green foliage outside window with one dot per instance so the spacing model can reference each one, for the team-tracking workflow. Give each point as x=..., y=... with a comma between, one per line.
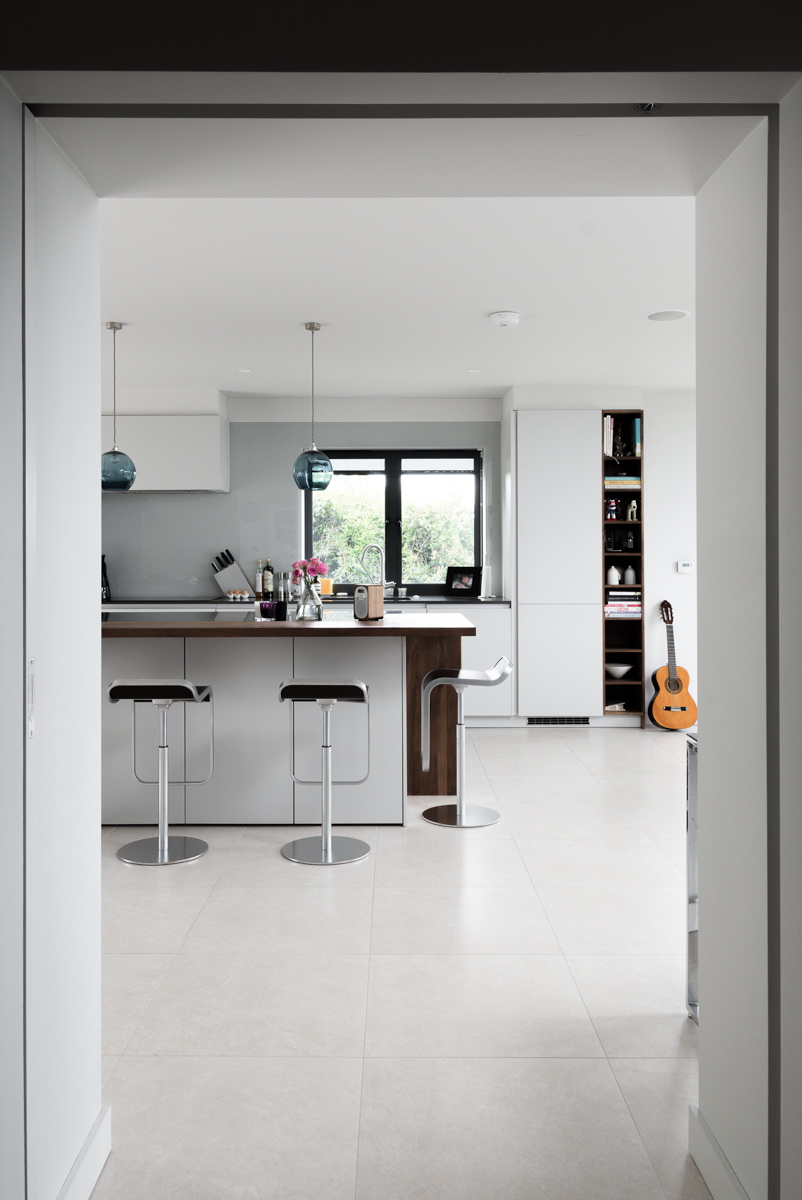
x=437, y=525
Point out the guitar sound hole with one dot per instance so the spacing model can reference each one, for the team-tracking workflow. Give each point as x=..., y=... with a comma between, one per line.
x=673, y=686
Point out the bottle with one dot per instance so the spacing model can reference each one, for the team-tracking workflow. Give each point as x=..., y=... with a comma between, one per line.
x=267, y=581
x=283, y=595
x=105, y=589
x=257, y=586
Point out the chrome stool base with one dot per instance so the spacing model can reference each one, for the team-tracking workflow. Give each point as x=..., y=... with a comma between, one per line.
x=146, y=853
x=310, y=850
x=474, y=816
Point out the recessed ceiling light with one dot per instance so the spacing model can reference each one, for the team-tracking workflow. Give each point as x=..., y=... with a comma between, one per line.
x=244, y=370
x=474, y=370
x=505, y=318
x=668, y=314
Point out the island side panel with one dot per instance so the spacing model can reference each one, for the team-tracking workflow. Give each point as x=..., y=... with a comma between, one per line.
x=126, y=802
x=378, y=662
x=424, y=654
x=251, y=782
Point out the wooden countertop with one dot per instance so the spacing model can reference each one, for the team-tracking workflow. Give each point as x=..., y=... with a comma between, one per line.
x=446, y=625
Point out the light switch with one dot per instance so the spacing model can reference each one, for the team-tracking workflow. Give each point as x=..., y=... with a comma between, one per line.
x=686, y=567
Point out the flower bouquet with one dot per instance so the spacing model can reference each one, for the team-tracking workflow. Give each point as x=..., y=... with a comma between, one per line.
x=307, y=571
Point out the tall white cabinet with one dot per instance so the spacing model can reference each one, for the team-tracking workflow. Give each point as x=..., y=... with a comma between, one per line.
x=559, y=561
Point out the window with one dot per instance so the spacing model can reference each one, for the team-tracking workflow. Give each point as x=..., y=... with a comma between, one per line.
x=423, y=506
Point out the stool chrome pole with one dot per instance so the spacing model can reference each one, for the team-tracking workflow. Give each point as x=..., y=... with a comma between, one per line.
x=325, y=850
x=164, y=849
x=460, y=815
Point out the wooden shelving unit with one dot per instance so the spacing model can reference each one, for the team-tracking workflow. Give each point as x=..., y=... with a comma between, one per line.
x=622, y=546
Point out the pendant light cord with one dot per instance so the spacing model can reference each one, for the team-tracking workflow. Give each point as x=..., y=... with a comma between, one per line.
x=313, y=387
x=114, y=369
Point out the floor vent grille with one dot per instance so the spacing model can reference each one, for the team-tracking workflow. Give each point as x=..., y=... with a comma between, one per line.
x=558, y=720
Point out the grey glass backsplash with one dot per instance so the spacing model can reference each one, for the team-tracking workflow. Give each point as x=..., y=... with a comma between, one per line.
x=160, y=544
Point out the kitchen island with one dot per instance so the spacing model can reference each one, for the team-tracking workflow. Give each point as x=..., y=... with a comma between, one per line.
x=256, y=737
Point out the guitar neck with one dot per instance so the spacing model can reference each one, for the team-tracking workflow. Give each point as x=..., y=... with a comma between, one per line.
x=672, y=658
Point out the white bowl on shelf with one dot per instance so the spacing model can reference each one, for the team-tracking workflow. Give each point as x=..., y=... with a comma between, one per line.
x=617, y=670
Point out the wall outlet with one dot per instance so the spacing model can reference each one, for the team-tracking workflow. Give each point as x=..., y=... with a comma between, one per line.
x=685, y=567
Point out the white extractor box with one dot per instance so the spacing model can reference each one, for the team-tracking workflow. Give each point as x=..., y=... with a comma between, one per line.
x=559, y=559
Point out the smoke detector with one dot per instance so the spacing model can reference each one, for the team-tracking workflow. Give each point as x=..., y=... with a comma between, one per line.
x=505, y=318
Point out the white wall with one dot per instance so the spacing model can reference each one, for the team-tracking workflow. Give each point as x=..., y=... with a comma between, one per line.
x=790, y=664
x=12, y=659
x=63, y=792
x=731, y=414
x=669, y=469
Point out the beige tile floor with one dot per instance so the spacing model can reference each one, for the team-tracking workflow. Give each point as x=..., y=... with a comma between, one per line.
x=491, y=1014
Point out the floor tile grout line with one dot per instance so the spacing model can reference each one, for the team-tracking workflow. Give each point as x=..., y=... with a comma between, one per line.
x=637, y=1131
x=124, y=1053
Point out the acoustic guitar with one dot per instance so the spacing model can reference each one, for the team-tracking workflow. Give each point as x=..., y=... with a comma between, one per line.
x=671, y=706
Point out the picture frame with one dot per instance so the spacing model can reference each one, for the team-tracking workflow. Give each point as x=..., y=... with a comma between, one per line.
x=463, y=581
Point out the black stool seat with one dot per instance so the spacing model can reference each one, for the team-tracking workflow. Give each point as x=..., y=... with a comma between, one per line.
x=349, y=690
x=159, y=689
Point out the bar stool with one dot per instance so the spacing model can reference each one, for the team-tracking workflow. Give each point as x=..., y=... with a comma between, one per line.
x=325, y=850
x=459, y=815
x=165, y=849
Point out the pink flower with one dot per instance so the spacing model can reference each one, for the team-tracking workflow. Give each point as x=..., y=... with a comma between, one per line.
x=297, y=576
x=322, y=568
x=300, y=564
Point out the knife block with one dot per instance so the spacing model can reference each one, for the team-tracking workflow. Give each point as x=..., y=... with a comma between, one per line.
x=232, y=580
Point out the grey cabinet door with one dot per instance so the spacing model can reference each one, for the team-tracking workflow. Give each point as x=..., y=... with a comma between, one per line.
x=251, y=782
x=560, y=660
x=559, y=507
x=380, y=663
x=126, y=802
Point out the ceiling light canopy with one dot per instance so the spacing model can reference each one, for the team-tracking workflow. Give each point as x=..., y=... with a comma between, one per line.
x=505, y=319
x=668, y=314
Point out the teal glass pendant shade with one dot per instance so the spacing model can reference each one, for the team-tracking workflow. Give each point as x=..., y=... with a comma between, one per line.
x=312, y=471
x=117, y=471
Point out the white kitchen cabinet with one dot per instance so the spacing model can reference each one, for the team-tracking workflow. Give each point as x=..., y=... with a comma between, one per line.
x=559, y=507
x=381, y=664
x=251, y=782
x=493, y=638
x=174, y=453
x=560, y=660
x=126, y=802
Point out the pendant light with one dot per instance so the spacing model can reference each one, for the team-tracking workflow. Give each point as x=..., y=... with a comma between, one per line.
x=117, y=471
x=312, y=471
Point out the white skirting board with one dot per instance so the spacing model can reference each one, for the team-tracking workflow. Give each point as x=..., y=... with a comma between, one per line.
x=711, y=1160
x=80, y=1182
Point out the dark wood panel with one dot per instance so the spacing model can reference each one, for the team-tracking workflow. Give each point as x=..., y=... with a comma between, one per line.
x=423, y=655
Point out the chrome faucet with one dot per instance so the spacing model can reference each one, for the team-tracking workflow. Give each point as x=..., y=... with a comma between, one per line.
x=373, y=546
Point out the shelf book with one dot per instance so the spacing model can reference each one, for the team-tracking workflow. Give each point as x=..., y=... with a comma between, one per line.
x=622, y=531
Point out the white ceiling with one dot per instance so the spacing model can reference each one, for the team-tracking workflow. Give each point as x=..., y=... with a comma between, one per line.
x=454, y=157
x=221, y=238
x=403, y=289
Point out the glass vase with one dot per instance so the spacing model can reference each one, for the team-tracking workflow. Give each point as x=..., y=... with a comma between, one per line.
x=310, y=606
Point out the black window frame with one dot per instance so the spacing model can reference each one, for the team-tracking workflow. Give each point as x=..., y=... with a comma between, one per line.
x=392, y=509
